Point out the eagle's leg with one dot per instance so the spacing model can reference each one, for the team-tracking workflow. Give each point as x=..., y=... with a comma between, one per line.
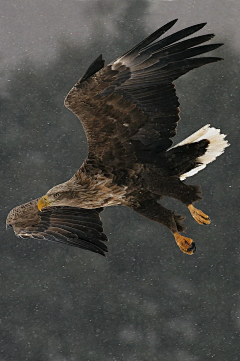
x=188, y=194
x=175, y=188
x=153, y=210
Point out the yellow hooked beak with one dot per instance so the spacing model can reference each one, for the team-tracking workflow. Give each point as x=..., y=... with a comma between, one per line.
x=43, y=202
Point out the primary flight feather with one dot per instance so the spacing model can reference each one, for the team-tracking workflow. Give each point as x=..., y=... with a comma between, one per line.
x=129, y=110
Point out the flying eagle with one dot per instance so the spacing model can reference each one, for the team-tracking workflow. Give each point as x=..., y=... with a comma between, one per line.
x=129, y=110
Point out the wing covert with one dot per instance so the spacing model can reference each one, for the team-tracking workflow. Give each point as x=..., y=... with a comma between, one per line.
x=130, y=107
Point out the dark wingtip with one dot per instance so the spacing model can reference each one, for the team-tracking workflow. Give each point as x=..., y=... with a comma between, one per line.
x=172, y=22
x=215, y=59
x=102, y=251
x=201, y=25
x=163, y=29
x=217, y=45
x=97, y=65
x=197, y=27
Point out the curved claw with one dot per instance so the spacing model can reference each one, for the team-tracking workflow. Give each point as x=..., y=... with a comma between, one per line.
x=186, y=245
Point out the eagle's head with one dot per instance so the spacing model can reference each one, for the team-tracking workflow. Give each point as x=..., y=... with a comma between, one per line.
x=83, y=192
x=61, y=195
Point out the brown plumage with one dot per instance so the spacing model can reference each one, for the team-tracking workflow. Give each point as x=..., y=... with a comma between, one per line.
x=129, y=110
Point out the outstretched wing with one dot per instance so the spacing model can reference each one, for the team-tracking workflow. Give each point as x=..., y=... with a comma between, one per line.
x=76, y=227
x=129, y=109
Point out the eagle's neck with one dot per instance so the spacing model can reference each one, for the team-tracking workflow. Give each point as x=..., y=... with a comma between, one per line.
x=96, y=189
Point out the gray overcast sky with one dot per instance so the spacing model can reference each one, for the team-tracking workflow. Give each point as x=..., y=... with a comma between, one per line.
x=145, y=301
x=33, y=27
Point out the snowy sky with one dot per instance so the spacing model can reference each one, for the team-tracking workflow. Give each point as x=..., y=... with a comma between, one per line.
x=33, y=28
x=60, y=304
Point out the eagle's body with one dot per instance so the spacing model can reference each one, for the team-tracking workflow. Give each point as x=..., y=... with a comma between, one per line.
x=129, y=110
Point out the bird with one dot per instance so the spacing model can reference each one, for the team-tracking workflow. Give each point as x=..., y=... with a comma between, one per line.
x=129, y=110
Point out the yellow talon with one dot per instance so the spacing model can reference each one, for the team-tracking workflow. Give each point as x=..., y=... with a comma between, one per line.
x=185, y=244
x=198, y=215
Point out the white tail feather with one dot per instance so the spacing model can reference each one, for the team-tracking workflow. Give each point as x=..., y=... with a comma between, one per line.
x=215, y=148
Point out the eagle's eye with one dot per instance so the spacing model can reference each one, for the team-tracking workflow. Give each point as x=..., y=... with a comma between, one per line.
x=56, y=195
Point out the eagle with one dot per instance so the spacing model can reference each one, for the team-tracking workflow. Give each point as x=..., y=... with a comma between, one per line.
x=129, y=111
